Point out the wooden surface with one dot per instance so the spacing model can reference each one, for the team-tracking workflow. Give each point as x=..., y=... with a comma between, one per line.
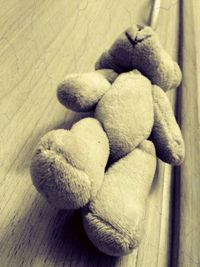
x=40, y=42
x=187, y=187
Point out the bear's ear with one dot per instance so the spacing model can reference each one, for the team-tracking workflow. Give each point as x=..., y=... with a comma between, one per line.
x=119, y=56
x=166, y=134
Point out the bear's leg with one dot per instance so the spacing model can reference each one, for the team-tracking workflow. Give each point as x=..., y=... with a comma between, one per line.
x=114, y=219
x=68, y=166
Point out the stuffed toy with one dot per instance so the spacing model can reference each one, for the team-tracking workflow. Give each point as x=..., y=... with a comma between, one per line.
x=105, y=164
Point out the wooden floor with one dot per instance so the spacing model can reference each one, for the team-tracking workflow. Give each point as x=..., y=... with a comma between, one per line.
x=40, y=42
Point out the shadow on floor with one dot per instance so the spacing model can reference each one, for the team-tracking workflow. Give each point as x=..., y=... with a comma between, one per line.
x=47, y=237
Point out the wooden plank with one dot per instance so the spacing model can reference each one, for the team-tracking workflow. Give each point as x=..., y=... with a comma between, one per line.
x=187, y=193
x=42, y=42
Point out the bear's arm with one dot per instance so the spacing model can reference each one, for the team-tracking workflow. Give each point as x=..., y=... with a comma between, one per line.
x=166, y=134
x=81, y=92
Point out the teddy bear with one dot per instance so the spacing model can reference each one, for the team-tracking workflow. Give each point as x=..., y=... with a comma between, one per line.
x=105, y=164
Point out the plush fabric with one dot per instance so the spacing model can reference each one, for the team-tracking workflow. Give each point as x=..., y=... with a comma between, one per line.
x=114, y=219
x=68, y=167
x=139, y=48
x=126, y=113
x=166, y=134
x=81, y=92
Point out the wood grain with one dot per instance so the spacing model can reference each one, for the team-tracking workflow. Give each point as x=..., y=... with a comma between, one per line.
x=187, y=191
x=41, y=42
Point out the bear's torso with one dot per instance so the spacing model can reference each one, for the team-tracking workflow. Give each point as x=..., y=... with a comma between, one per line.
x=126, y=113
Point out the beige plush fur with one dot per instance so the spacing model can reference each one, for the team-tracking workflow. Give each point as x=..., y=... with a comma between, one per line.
x=81, y=92
x=126, y=113
x=68, y=167
x=166, y=134
x=139, y=48
x=114, y=219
